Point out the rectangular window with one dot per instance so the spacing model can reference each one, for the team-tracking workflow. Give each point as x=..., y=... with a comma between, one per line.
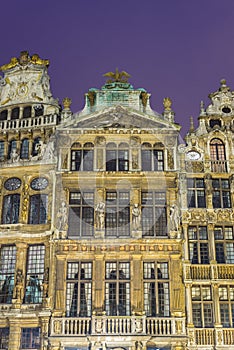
x=196, y=193
x=202, y=306
x=34, y=274
x=221, y=193
x=7, y=271
x=226, y=302
x=156, y=289
x=224, y=244
x=82, y=159
x=81, y=214
x=117, y=213
x=117, y=290
x=4, y=338
x=38, y=207
x=198, y=245
x=154, y=221
x=11, y=205
x=79, y=289
x=30, y=338
x=152, y=160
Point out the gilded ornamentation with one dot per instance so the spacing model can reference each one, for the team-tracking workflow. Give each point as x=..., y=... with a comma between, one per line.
x=170, y=160
x=167, y=102
x=57, y=327
x=117, y=76
x=12, y=64
x=19, y=287
x=37, y=60
x=194, y=167
x=67, y=103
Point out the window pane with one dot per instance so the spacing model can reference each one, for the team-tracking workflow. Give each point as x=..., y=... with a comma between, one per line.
x=30, y=338
x=11, y=205
x=38, y=209
x=7, y=271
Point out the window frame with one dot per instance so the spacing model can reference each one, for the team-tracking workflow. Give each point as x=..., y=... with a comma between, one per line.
x=198, y=245
x=82, y=157
x=203, y=303
x=224, y=254
x=152, y=157
x=196, y=193
x=7, y=268
x=221, y=194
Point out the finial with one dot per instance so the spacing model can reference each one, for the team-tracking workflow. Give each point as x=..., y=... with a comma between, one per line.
x=67, y=102
x=191, y=125
x=202, y=108
x=167, y=102
x=223, y=82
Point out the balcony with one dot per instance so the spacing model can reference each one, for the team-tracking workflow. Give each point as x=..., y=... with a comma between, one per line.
x=219, y=166
x=117, y=325
x=207, y=272
x=26, y=123
x=201, y=337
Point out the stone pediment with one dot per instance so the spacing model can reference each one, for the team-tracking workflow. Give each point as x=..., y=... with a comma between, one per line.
x=119, y=117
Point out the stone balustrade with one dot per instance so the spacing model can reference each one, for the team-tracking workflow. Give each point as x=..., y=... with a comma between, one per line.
x=208, y=272
x=26, y=123
x=112, y=325
x=201, y=337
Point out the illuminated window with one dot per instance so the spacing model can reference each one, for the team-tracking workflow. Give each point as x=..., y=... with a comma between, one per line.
x=217, y=156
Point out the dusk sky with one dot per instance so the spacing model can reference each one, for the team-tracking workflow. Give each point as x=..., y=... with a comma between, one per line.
x=175, y=48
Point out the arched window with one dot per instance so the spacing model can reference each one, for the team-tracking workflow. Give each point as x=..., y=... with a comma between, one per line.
x=12, y=146
x=217, y=155
x=82, y=157
x=152, y=158
x=15, y=113
x=3, y=114
x=27, y=112
x=24, y=151
x=117, y=158
x=10, y=212
x=38, y=209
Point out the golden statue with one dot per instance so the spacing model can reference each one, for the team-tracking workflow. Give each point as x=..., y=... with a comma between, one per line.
x=67, y=102
x=167, y=102
x=117, y=76
x=37, y=60
x=12, y=64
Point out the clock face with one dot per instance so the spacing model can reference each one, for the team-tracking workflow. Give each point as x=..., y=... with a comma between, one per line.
x=12, y=184
x=40, y=183
x=193, y=155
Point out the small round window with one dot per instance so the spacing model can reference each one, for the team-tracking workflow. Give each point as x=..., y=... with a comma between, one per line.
x=40, y=183
x=226, y=110
x=12, y=184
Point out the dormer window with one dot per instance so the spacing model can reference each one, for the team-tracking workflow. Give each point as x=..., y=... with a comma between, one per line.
x=215, y=122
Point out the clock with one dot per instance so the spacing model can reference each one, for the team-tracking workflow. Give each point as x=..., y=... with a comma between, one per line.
x=193, y=155
x=12, y=184
x=22, y=89
x=40, y=183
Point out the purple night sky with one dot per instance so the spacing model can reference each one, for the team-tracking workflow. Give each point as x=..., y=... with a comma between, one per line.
x=175, y=48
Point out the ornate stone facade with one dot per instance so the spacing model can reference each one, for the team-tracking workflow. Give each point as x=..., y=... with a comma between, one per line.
x=112, y=234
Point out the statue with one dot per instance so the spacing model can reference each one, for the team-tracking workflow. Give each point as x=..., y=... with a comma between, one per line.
x=144, y=98
x=14, y=156
x=62, y=217
x=19, y=285
x=117, y=76
x=100, y=216
x=167, y=102
x=136, y=217
x=91, y=97
x=174, y=218
x=67, y=103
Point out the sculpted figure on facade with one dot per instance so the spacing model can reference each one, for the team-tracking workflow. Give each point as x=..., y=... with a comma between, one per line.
x=62, y=217
x=136, y=217
x=14, y=156
x=19, y=288
x=100, y=216
x=174, y=218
